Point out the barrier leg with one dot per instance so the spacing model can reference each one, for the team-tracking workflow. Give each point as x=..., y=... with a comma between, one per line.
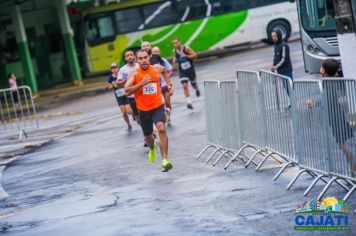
x=211, y=155
x=343, y=185
x=312, y=174
x=276, y=159
x=218, y=159
x=349, y=193
x=22, y=134
x=263, y=161
x=243, y=160
x=205, y=149
x=235, y=157
x=313, y=184
x=282, y=170
x=253, y=157
x=295, y=178
x=327, y=186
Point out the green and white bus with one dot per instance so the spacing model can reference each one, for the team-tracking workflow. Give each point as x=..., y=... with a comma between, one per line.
x=204, y=25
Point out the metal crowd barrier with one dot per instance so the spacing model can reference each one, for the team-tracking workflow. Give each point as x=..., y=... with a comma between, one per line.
x=17, y=111
x=211, y=110
x=309, y=123
x=340, y=112
x=277, y=94
x=251, y=116
x=311, y=145
x=221, y=120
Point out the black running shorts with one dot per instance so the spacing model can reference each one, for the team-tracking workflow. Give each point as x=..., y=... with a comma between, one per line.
x=122, y=101
x=148, y=118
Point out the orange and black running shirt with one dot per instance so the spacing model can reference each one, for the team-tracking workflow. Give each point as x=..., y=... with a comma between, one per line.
x=148, y=97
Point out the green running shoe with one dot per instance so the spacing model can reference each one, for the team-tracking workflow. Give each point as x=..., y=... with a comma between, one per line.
x=166, y=165
x=152, y=154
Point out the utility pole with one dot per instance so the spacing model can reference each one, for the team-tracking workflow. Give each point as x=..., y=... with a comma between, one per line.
x=345, y=16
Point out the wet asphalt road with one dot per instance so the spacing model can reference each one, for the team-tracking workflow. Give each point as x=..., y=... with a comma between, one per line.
x=98, y=181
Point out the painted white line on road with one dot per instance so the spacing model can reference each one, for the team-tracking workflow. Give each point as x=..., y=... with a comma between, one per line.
x=3, y=193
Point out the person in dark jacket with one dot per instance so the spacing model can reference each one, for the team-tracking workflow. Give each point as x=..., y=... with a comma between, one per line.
x=282, y=63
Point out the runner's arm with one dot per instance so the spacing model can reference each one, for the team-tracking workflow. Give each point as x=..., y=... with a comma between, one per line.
x=110, y=86
x=164, y=73
x=168, y=67
x=174, y=57
x=131, y=88
x=191, y=54
x=120, y=82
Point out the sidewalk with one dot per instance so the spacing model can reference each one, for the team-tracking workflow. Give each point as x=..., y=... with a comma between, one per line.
x=60, y=94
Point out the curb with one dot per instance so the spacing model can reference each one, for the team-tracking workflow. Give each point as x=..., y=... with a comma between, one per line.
x=3, y=193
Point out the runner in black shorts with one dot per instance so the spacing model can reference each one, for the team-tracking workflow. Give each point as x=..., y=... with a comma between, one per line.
x=117, y=87
x=167, y=89
x=145, y=83
x=124, y=72
x=185, y=56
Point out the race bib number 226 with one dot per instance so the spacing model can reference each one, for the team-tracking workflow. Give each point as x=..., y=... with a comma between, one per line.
x=150, y=89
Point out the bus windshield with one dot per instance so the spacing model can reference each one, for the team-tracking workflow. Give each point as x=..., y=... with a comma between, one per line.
x=317, y=15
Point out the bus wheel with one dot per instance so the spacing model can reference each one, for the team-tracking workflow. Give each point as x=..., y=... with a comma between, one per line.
x=280, y=25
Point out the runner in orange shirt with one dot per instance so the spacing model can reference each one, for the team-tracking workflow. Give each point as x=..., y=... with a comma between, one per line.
x=145, y=84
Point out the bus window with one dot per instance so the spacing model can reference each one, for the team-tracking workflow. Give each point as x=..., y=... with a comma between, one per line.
x=225, y=6
x=318, y=15
x=159, y=14
x=191, y=11
x=260, y=3
x=92, y=30
x=105, y=26
x=99, y=28
x=128, y=20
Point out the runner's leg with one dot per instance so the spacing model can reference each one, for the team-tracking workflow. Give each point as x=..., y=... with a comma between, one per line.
x=147, y=128
x=134, y=110
x=128, y=109
x=167, y=98
x=158, y=118
x=167, y=102
x=194, y=84
x=185, y=86
x=163, y=138
x=125, y=115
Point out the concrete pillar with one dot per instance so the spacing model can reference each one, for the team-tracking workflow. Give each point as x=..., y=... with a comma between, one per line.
x=70, y=52
x=24, y=51
x=345, y=22
x=43, y=64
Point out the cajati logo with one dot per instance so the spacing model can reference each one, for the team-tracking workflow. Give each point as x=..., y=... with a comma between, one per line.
x=328, y=214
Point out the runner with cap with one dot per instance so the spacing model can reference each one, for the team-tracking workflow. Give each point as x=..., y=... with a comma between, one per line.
x=118, y=87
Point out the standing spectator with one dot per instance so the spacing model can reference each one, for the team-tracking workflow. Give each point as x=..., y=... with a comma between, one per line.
x=282, y=63
x=13, y=87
